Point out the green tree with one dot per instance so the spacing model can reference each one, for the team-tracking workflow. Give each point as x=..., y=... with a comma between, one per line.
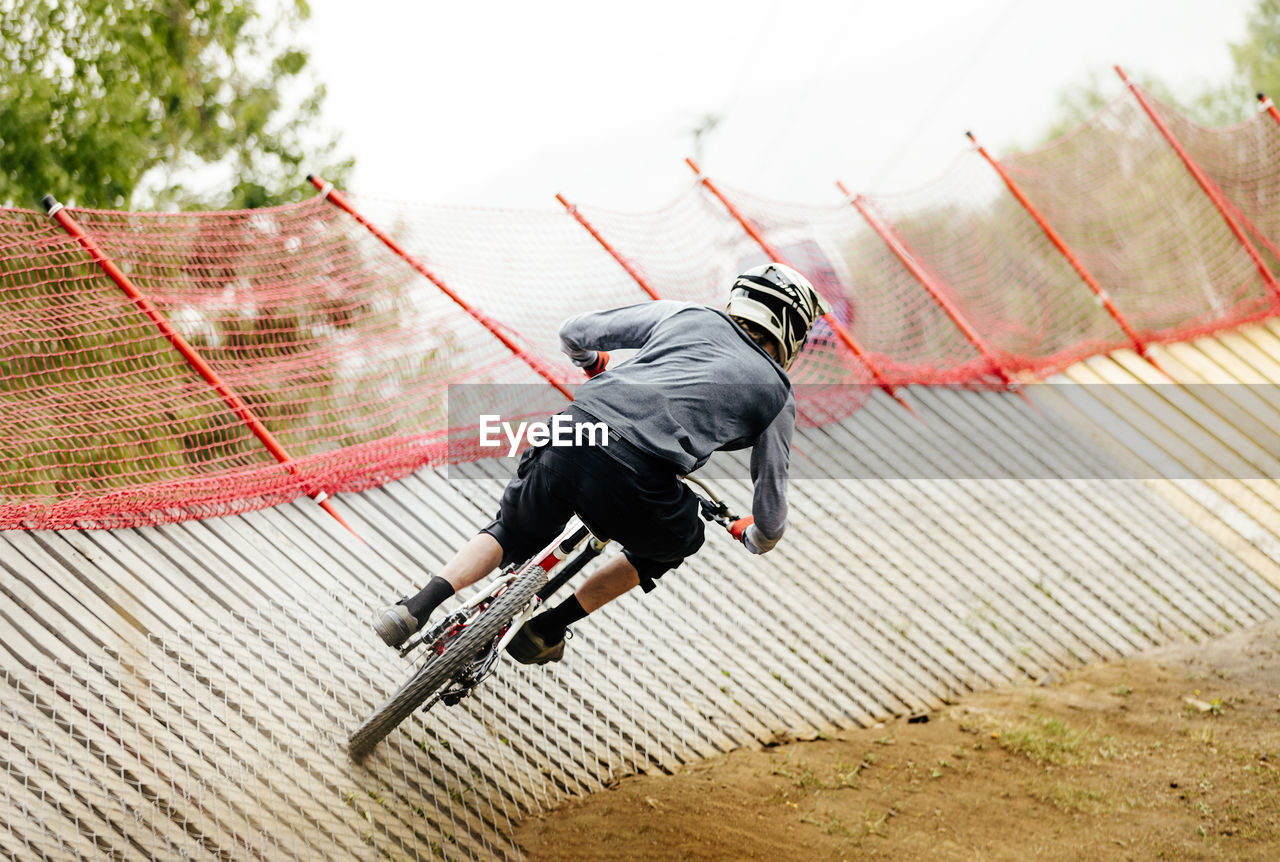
x=1257, y=58
x=1214, y=104
x=1079, y=103
x=138, y=103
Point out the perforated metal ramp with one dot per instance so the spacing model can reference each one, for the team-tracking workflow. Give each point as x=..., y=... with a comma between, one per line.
x=185, y=691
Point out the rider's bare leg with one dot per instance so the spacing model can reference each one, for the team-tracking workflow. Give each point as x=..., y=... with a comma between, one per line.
x=608, y=582
x=477, y=558
x=473, y=561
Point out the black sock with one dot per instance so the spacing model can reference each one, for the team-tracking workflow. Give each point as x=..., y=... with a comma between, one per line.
x=552, y=624
x=428, y=598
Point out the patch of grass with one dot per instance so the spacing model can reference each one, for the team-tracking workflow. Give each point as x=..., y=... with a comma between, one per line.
x=846, y=775
x=1048, y=740
x=803, y=778
x=1073, y=799
x=832, y=826
x=872, y=825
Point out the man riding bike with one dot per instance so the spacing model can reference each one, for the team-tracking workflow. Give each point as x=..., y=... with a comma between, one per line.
x=702, y=380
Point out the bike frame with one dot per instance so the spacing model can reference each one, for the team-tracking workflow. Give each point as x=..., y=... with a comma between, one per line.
x=550, y=557
x=476, y=671
x=571, y=539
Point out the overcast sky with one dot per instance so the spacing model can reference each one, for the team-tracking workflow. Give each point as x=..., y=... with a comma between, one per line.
x=505, y=103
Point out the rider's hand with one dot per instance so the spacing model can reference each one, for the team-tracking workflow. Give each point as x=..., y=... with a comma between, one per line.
x=602, y=360
x=750, y=539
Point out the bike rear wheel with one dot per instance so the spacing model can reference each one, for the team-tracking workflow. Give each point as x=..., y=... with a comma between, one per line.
x=461, y=650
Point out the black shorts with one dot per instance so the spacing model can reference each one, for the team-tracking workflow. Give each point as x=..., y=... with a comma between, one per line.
x=636, y=501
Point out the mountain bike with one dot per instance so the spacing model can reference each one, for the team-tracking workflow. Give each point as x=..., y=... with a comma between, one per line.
x=462, y=649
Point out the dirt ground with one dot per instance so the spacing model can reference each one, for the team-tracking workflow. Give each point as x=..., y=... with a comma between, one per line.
x=1173, y=754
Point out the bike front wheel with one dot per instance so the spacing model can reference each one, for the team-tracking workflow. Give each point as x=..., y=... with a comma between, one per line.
x=461, y=650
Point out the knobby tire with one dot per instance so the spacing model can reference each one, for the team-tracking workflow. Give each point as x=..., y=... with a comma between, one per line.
x=484, y=627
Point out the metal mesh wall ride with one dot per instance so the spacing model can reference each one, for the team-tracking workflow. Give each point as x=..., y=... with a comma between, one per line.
x=184, y=691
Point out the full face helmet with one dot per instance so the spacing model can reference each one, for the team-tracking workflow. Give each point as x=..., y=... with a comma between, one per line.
x=781, y=302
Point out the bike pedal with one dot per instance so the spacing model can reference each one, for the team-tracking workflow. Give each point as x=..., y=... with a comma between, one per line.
x=410, y=645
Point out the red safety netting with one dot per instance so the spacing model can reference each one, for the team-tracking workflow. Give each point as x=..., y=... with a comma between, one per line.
x=908, y=336
x=330, y=340
x=1000, y=271
x=358, y=363
x=692, y=250
x=1244, y=162
x=1124, y=201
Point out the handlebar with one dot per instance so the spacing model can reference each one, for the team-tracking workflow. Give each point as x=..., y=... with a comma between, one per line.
x=713, y=508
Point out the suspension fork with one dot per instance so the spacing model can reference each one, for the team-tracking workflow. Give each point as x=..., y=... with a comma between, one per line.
x=571, y=568
x=548, y=560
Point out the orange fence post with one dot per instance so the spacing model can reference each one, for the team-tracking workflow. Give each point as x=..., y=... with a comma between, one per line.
x=777, y=257
x=1206, y=184
x=622, y=261
x=1139, y=345
x=335, y=197
x=899, y=248
x=58, y=213
x=1265, y=104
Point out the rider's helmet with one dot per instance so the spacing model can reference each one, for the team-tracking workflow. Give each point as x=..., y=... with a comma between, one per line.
x=781, y=302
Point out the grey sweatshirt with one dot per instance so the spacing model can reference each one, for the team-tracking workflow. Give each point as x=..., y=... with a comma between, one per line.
x=696, y=385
